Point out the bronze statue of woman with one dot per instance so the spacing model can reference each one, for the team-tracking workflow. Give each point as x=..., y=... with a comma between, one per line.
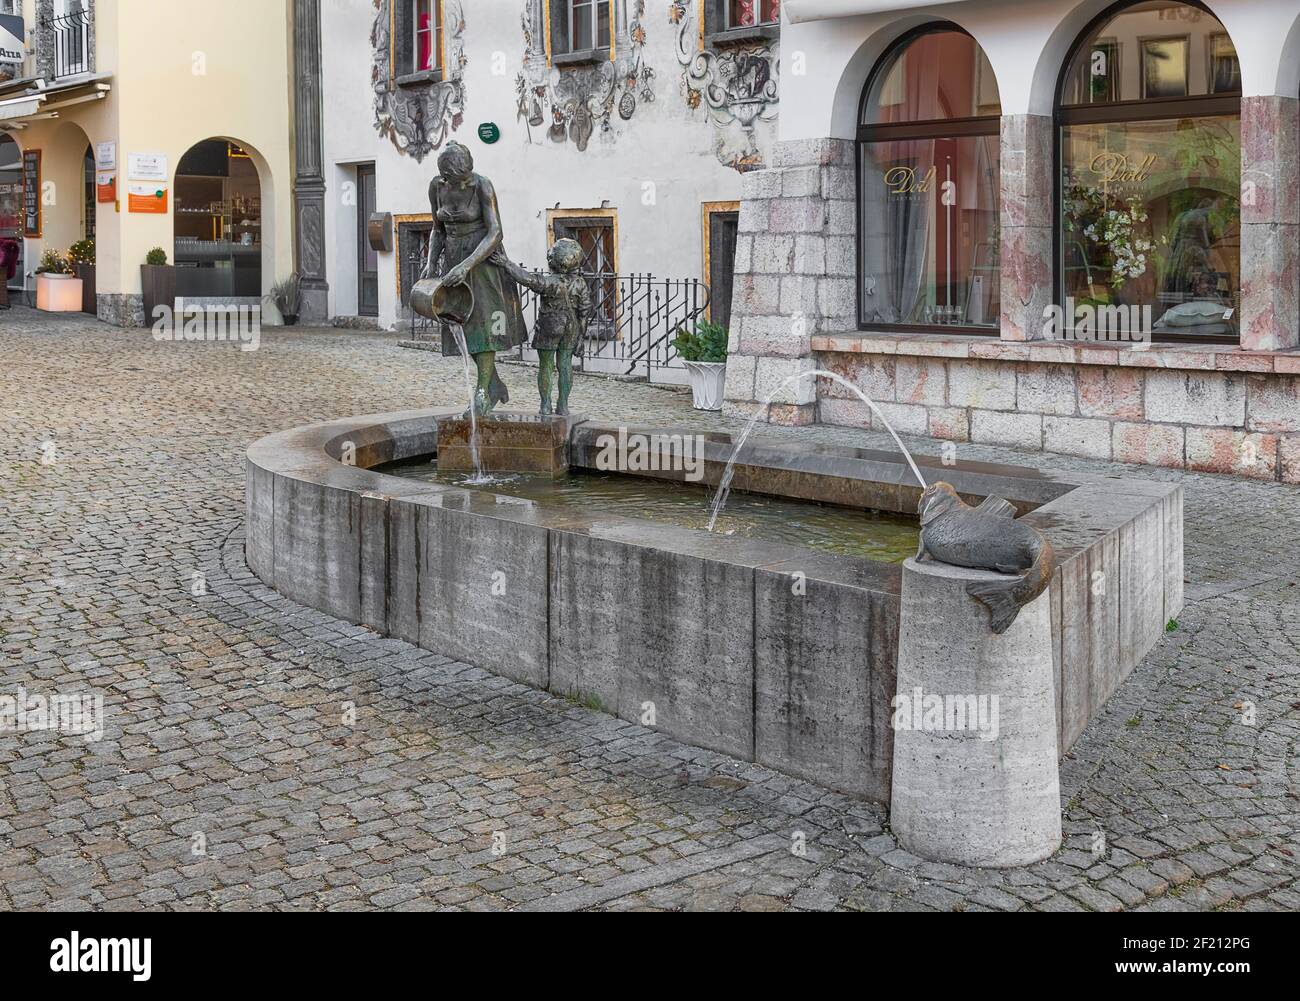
x=466, y=233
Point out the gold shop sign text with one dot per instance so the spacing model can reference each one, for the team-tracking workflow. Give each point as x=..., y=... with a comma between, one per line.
x=1117, y=168
x=906, y=181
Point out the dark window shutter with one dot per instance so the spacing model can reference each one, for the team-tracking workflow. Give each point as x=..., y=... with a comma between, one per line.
x=404, y=37
x=560, y=41
x=715, y=16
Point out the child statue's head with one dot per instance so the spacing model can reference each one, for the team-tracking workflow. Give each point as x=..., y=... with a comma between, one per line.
x=565, y=256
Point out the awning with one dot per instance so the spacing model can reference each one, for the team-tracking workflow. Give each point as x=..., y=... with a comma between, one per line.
x=799, y=11
x=20, y=107
x=36, y=99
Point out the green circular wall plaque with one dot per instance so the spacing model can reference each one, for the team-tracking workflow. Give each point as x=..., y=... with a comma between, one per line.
x=489, y=132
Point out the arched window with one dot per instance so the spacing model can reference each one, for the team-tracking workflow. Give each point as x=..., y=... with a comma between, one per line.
x=928, y=190
x=1150, y=181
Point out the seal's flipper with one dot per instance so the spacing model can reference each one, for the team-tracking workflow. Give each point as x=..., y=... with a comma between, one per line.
x=921, y=552
x=996, y=507
x=1000, y=599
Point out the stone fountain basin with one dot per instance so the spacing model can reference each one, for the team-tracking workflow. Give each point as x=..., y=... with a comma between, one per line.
x=766, y=652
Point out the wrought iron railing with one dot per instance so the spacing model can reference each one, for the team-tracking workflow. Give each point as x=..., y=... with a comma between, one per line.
x=71, y=33
x=635, y=318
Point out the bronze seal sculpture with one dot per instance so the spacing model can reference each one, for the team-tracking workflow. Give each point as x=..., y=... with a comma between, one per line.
x=987, y=537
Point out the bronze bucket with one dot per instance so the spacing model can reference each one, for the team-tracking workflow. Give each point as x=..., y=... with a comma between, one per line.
x=437, y=300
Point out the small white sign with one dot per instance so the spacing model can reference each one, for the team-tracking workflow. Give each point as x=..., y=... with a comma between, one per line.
x=106, y=156
x=148, y=166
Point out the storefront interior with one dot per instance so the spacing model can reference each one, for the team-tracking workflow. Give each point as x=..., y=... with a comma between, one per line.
x=218, y=223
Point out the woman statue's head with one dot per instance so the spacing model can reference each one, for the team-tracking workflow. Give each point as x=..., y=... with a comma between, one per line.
x=455, y=162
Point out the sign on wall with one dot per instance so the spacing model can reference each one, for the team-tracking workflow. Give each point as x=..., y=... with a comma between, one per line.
x=106, y=156
x=32, y=194
x=147, y=167
x=12, y=44
x=106, y=188
x=147, y=198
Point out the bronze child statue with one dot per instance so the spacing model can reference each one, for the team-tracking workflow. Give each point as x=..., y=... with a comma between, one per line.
x=562, y=319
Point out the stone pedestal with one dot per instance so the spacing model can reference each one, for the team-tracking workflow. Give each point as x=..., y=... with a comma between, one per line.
x=508, y=442
x=975, y=777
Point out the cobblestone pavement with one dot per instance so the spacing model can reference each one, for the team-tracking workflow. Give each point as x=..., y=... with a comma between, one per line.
x=228, y=777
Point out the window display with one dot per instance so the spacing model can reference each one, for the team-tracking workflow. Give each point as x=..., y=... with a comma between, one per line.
x=929, y=188
x=1150, y=209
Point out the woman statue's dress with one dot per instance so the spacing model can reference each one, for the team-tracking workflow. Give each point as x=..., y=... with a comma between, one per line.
x=497, y=323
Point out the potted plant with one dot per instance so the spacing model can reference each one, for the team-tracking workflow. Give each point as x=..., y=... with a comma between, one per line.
x=158, y=282
x=704, y=352
x=82, y=255
x=58, y=290
x=287, y=296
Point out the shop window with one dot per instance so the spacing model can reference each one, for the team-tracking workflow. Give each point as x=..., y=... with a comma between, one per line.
x=1149, y=209
x=218, y=223
x=929, y=187
x=420, y=29
x=740, y=20
x=581, y=31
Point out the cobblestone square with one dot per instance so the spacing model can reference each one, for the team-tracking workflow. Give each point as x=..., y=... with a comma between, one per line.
x=259, y=755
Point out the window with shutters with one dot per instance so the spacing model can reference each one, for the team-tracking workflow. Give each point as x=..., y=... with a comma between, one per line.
x=581, y=31
x=419, y=28
x=740, y=20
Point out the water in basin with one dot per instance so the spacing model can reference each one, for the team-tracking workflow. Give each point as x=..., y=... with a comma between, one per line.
x=886, y=538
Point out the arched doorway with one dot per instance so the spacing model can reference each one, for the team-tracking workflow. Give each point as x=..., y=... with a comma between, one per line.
x=218, y=223
x=12, y=246
x=1149, y=207
x=928, y=138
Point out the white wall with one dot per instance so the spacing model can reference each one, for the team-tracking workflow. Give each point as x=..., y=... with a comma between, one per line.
x=1026, y=41
x=666, y=148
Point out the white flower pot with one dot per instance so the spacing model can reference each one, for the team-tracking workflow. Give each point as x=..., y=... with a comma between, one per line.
x=708, y=380
x=58, y=293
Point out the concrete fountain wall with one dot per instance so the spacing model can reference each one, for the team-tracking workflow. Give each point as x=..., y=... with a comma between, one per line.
x=766, y=652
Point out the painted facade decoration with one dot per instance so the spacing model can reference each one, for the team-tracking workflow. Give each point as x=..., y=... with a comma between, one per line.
x=418, y=119
x=736, y=87
x=564, y=104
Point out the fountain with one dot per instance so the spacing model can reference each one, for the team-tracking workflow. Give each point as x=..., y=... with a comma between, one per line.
x=583, y=575
x=724, y=486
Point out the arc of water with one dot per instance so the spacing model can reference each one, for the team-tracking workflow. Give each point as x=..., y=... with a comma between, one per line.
x=724, y=484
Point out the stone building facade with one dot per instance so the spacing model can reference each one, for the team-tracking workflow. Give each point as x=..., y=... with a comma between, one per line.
x=1182, y=119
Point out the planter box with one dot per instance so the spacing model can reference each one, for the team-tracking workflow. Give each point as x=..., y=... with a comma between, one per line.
x=58, y=293
x=89, y=301
x=708, y=380
x=158, y=283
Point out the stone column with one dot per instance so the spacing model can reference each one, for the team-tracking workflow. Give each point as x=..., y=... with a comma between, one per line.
x=981, y=788
x=1270, y=223
x=1026, y=218
x=309, y=180
x=796, y=266
x=44, y=39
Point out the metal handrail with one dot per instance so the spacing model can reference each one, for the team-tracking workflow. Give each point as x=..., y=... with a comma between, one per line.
x=636, y=317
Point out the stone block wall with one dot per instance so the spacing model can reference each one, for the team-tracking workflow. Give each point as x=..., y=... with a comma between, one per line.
x=1204, y=409
x=796, y=267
